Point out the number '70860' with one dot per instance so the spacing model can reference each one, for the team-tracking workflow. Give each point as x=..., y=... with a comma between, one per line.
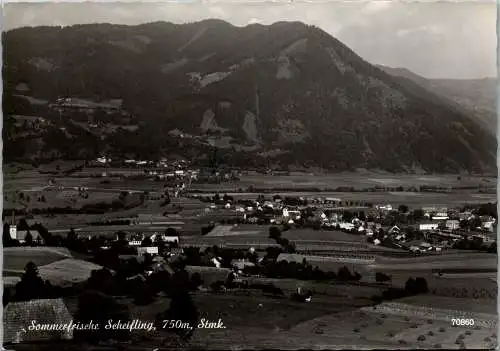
x=462, y=321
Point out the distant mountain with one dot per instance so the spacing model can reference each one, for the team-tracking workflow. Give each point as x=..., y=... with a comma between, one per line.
x=287, y=94
x=476, y=96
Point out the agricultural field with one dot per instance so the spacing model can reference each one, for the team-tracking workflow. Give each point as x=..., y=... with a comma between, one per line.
x=322, y=236
x=67, y=272
x=16, y=258
x=468, y=305
x=463, y=260
x=357, y=179
x=402, y=330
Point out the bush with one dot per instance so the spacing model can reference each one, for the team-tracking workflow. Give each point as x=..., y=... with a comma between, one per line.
x=442, y=329
x=381, y=277
x=430, y=333
x=274, y=233
x=421, y=338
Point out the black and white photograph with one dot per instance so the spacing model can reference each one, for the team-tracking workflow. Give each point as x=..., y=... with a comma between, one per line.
x=249, y=175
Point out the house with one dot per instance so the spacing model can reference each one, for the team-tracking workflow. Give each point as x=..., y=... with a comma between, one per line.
x=425, y=226
x=18, y=316
x=152, y=250
x=20, y=235
x=394, y=230
x=210, y=275
x=165, y=238
x=384, y=207
x=346, y=226
x=452, y=224
x=487, y=223
x=332, y=201
x=440, y=216
x=241, y=264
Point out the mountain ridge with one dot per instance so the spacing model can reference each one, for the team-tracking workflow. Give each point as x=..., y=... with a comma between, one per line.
x=287, y=89
x=476, y=96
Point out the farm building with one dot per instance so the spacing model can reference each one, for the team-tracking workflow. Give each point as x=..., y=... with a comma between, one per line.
x=152, y=250
x=18, y=316
x=21, y=235
x=428, y=226
x=440, y=216
x=241, y=264
x=210, y=275
x=452, y=224
x=168, y=239
x=67, y=272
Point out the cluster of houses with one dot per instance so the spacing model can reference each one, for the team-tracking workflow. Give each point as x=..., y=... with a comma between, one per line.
x=442, y=227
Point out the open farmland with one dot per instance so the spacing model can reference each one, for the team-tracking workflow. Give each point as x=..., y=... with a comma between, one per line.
x=67, y=271
x=445, y=261
x=358, y=179
x=401, y=329
x=453, y=303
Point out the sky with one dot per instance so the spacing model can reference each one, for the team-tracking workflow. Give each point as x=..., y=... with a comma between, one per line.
x=434, y=39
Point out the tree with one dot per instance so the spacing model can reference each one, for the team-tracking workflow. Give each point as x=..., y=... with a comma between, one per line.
x=28, y=239
x=347, y=216
x=411, y=286
x=23, y=224
x=160, y=243
x=100, y=308
x=182, y=306
x=196, y=280
x=146, y=242
x=403, y=209
x=171, y=232
x=100, y=280
x=344, y=274
x=31, y=285
x=72, y=236
x=421, y=285
x=418, y=214
x=381, y=277
x=274, y=233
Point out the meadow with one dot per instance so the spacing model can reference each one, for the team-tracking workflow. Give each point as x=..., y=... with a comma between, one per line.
x=16, y=258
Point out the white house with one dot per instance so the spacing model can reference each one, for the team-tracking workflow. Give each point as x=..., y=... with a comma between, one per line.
x=168, y=239
x=428, y=226
x=346, y=225
x=440, y=216
x=452, y=224
x=387, y=207
x=394, y=230
x=285, y=212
